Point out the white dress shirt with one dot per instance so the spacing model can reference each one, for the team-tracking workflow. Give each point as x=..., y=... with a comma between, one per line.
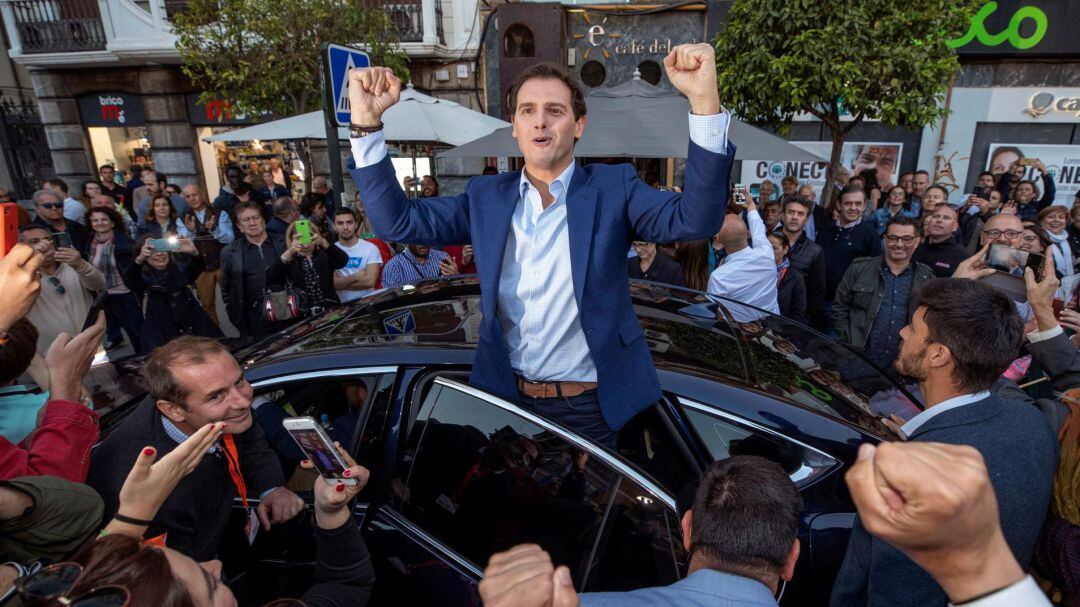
x=74, y=210
x=537, y=308
x=223, y=231
x=748, y=276
x=914, y=423
x=1025, y=593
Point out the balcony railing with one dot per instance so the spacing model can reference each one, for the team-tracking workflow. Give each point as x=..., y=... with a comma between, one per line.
x=408, y=17
x=57, y=26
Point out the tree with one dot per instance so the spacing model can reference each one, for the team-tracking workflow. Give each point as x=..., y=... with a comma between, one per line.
x=264, y=56
x=876, y=59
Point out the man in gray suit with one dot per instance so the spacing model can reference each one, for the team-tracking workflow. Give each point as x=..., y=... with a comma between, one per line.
x=740, y=533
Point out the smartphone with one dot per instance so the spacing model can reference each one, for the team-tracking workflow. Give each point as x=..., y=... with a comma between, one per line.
x=303, y=230
x=1009, y=264
x=981, y=192
x=9, y=226
x=318, y=448
x=740, y=194
x=1026, y=162
x=95, y=308
x=61, y=240
x=165, y=245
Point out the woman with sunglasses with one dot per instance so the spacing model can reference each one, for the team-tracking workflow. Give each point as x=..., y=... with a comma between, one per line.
x=121, y=569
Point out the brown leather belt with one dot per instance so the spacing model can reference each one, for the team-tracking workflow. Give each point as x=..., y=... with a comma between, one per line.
x=554, y=389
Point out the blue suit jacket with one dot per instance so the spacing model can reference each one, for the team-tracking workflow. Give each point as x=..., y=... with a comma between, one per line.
x=607, y=207
x=1020, y=451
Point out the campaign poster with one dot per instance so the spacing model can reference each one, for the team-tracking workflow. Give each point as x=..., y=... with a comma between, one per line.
x=1062, y=163
x=855, y=157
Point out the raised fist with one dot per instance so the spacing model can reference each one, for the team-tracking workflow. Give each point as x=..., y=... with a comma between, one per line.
x=692, y=70
x=372, y=90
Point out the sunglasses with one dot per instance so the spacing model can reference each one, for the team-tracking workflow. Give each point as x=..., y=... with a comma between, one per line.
x=55, y=582
x=51, y=205
x=55, y=282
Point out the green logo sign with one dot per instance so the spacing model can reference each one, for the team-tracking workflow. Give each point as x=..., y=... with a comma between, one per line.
x=977, y=29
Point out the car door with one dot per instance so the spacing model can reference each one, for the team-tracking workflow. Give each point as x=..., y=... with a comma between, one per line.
x=478, y=475
x=351, y=405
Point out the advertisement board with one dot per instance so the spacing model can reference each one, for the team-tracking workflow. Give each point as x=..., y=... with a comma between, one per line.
x=1062, y=162
x=855, y=157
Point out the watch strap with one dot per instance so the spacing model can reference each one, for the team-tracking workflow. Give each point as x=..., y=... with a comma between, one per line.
x=358, y=130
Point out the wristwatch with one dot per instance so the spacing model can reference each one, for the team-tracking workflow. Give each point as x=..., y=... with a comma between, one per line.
x=357, y=131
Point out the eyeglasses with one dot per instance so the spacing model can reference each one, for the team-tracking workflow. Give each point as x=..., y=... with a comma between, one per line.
x=55, y=582
x=994, y=234
x=889, y=238
x=51, y=205
x=55, y=282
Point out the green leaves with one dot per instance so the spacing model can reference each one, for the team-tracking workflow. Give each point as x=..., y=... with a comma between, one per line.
x=264, y=56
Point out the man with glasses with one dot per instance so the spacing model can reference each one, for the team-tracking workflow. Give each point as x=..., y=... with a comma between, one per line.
x=873, y=301
x=1002, y=229
x=50, y=215
x=246, y=266
x=66, y=284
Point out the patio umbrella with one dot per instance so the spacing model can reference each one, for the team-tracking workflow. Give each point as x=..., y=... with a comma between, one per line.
x=641, y=120
x=416, y=118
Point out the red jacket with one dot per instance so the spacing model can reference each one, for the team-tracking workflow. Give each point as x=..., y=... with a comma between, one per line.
x=59, y=446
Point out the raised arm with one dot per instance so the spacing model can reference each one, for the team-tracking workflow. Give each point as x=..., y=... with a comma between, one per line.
x=394, y=216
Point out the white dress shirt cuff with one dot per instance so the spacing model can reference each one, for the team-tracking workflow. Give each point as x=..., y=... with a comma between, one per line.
x=1035, y=336
x=710, y=132
x=369, y=150
x=1025, y=592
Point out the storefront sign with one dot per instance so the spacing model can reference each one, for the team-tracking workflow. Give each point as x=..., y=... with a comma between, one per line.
x=1022, y=27
x=111, y=109
x=855, y=157
x=604, y=37
x=1062, y=163
x=1044, y=102
x=214, y=112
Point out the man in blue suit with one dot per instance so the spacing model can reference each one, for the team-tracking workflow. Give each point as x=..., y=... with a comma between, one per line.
x=963, y=335
x=559, y=333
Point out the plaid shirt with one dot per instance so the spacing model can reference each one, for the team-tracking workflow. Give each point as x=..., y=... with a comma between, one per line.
x=404, y=269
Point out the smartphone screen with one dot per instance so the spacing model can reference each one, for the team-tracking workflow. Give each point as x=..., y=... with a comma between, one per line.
x=96, y=307
x=740, y=194
x=1008, y=260
x=61, y=240
x=320, y=451
x=9, y=227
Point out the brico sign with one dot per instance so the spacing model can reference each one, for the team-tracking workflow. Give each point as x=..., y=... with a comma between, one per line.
x=111, y=110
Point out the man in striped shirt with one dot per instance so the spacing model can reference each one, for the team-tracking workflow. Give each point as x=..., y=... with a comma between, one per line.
x=416, y=263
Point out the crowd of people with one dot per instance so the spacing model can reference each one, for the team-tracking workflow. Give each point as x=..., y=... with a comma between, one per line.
x=979, y=488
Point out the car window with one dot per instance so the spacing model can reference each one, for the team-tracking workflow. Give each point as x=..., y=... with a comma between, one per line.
x=482, y=479
x=641, y=544
x=341, y=405
x=725, y=437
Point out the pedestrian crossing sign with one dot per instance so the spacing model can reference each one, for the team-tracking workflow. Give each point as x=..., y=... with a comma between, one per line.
x=340, y=60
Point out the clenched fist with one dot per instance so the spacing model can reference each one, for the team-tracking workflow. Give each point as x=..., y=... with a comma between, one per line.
x=692, y=70
x=372, y=90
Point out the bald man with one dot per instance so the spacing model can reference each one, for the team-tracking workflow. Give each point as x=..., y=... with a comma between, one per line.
x=748, y=272
x=939, y=249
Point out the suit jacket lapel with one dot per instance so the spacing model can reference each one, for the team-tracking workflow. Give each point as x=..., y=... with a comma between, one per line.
x=971, y=413
x=495, y=229
x=581, y=201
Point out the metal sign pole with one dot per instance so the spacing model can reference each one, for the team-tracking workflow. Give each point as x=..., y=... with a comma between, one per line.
x=333, y=146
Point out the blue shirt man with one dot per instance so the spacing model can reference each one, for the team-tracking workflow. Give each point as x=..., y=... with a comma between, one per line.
x=559, y=334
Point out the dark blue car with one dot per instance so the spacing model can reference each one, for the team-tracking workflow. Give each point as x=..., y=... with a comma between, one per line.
x=458, y=474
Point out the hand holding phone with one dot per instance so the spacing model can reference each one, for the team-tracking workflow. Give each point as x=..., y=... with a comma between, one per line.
x=61, y=240
x=740, y=195
x=318, y=448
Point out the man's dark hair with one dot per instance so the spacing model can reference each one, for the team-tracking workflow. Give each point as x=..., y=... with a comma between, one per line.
x=905, y=174
x=921, y=172
x=745, y=515
x=546, y=69
x=106, y=166
x=782, y=237
x=59, y=183
x=851, y=189
x=23, y=228
x=988, y=173
x=310, y=201
x=182, y=351
x=346, y=211
x=17, y=354
x=977, y=323
x=796, y=199
x=233, y=167
x=490, y=170
x=248, y=204
x=904, y=220
x=937, y=186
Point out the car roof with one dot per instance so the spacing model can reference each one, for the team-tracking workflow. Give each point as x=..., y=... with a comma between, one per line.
x=688, y=332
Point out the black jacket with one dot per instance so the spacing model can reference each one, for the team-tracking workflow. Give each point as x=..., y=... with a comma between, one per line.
x=232, y=277
x=78, y=233
x=791, y=296
x=807, y=257
x=170, y=307
x=663, y=269
x=326, y=261
x=344, y=575
x=942, y=258
x=197, y=511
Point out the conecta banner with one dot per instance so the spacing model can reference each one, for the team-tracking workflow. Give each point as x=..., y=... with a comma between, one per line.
x=1062, y=162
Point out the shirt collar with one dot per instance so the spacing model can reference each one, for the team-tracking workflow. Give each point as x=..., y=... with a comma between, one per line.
x=850, y=225
x=916, y=422
x=179, y=435
x=557, y=187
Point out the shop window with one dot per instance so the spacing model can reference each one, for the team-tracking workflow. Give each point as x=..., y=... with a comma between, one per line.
x=518, y=41
x=126, y=148
x=593, y=74
x=650, y=71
